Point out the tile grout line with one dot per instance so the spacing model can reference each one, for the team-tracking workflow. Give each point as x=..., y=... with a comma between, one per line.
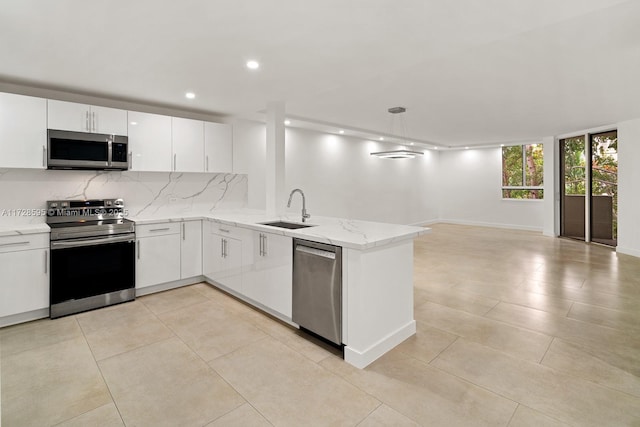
x=104, y=380
x=207, y=363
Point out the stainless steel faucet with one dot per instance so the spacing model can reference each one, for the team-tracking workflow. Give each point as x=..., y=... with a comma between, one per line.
x=305, y=215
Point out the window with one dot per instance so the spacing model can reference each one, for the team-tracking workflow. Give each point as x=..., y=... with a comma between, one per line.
x=522, y=174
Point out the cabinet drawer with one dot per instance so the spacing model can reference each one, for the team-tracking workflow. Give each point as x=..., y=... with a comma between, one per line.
x=230, y=231
x=24, y=242
x=149, y=230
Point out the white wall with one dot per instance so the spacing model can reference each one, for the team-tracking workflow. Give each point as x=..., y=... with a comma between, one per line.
x=628, y=187
x=471, y=192
x=339, y=176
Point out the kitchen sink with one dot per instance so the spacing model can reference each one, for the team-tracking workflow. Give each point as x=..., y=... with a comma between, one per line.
x=284, y=224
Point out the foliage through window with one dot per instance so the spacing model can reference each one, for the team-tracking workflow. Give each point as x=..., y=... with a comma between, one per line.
x=522, y=172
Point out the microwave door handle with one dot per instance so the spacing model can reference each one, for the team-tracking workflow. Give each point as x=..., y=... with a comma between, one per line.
x=110, y=152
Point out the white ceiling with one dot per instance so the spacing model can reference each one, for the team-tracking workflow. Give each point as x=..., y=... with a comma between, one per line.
x=468, y=71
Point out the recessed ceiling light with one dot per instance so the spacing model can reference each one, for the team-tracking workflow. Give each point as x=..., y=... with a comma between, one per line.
x=190, y=95
x=287, y=122
x=381, y=138
x=133, y=123
x=411, y=143
x=435, y=148
x=253, y=65
x=341, y=131
x=466, y=148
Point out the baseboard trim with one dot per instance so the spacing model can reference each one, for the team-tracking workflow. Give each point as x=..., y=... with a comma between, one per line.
x=362, y=358
x=491, y=225
x=628, y=251
x=169, y=285
x=425, y=223
x=28, y=316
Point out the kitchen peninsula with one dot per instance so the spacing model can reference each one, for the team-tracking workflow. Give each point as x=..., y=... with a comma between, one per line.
x=377, y=259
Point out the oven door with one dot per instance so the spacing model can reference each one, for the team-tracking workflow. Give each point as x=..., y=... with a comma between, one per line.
x=91, y=273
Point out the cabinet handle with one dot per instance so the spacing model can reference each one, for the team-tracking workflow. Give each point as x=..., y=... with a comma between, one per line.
x=264, y=245
x=44, y=156
x=206, y=165
x=14, y=244
x=86, y=119
x=130, y=160
x=184, y=233
x=260, y=251
x=159, y=229
x=46, y=261
x=138, y=249
x=221, y=248
x=93, y=119
x=224, y=230
x=174, y=162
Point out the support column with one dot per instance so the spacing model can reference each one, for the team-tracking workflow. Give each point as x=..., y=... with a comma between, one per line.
x=274, y=169
x=551, y=218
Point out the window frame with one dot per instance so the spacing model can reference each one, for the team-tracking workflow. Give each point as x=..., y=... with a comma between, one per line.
x=523, y=148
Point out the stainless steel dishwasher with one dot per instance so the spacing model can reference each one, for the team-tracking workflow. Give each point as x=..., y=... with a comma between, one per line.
x=317, y=288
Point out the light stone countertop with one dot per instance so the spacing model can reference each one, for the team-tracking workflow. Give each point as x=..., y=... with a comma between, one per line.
x=348, y=233
x=22, y=229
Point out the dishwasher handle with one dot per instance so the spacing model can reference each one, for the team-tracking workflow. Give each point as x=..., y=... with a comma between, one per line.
x=317, y=252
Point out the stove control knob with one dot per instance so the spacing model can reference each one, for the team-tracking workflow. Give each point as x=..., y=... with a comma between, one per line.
x=53, y=205
x=119, y=202
x=108, y=203
x=64, y=204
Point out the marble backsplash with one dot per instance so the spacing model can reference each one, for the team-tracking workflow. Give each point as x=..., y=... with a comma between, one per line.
x=24, y=192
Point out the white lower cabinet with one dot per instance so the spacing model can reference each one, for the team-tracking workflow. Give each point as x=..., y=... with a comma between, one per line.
x=191, y=249
x=24, y=267
x=269, y=278
x=157, y=254
x=223, y=253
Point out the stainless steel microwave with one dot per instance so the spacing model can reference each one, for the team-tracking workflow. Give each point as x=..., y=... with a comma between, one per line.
x=81, y=150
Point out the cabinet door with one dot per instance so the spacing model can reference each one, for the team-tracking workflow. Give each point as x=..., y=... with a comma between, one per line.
x=191, y=249
x=188, y=145
x=158, y=260
x=23, y=131
x=150, y=142
x=269, y=281
x=68, y=116
x=225, y=263
x=108, y=120
x=25, y=281
x=218, y=148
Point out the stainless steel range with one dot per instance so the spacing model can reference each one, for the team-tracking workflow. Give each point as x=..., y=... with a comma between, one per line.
x=92, y=255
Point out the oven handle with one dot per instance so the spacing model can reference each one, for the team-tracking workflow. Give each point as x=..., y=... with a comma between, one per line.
x=91, y=242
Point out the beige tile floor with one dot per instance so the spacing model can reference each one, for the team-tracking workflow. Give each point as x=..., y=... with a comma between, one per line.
x=514, y=329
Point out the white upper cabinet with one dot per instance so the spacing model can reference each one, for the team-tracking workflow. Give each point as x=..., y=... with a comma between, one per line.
x=188, y=145
x=86, y=118
x=150, y=142
x=23, y=131
x=218, y=147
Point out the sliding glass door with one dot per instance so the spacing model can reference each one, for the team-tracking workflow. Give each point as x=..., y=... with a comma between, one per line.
x=589, y=188
x=573, y=187
x=604, y=188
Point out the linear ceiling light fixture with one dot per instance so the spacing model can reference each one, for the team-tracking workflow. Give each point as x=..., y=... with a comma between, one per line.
x=398, y=154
